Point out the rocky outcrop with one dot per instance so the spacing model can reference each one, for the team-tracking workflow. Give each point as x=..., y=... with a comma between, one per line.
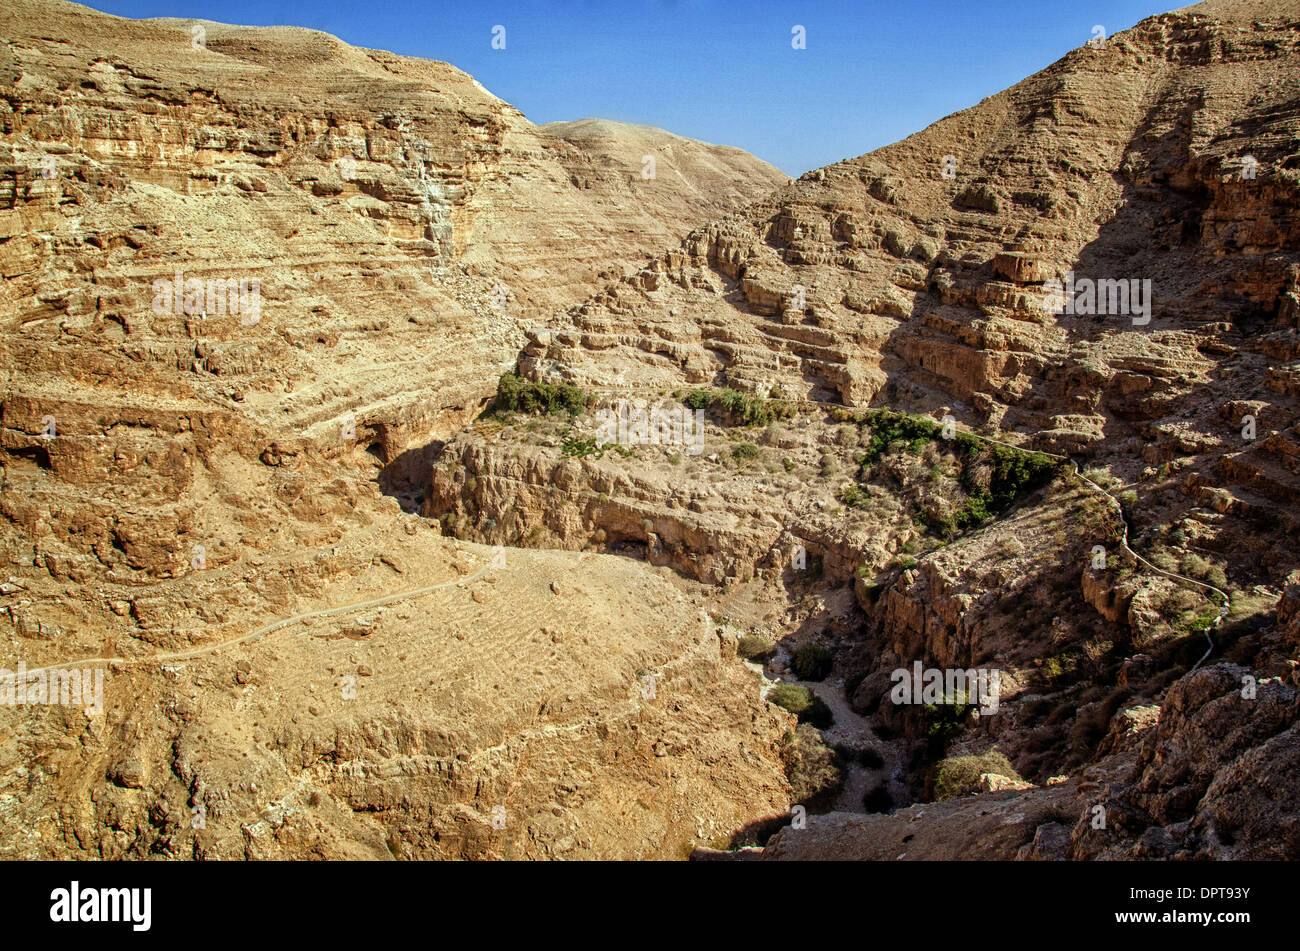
x=252, y=279
x=1199, y=778
x=351, y=220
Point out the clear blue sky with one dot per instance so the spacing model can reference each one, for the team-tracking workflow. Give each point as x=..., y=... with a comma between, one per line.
x=872, y=72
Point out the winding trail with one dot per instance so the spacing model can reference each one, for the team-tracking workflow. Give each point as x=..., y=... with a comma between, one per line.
x=265, y=629
x=1224, y=606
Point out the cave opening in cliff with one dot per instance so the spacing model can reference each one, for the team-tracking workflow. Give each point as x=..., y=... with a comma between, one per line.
x=407, y=477
x=34, y=456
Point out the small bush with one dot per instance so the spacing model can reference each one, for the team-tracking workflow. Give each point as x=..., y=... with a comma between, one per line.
x=852, y=496
x=743, y=409
x=960, y=775
x=888, y=427
x=946, y=720
x=581, y=448
x=524, y=396
x=803, y=703
x=755, y=647
x=815, y=771
x=697, y=399
x=745, y=450
x=812, y=662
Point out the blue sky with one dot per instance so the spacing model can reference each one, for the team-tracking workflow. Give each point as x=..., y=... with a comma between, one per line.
x=726, y=72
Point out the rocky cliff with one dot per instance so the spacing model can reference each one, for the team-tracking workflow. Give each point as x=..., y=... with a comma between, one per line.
x=251, y=275
x=1099, y=263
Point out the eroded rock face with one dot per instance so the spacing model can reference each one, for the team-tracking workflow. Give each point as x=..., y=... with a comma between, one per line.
x=1163, y=790
x=695, y=508
x=386, y=227
x=251, y=276
x=193, y=499
x=882, y=281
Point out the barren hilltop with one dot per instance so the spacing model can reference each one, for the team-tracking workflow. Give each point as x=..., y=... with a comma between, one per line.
x=426, y=483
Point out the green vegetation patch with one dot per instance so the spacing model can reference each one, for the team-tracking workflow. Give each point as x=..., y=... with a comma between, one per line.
x=960, y=775
x=582, y=448
x=741, y=409
x=516, y=394
x=992, y=477
x=803, y=703
x=812, y=662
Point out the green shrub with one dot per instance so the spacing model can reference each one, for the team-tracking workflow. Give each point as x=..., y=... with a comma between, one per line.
x=888, y=427
x=755, y=647
x=743, y=409
x=812, y=662
x=1202, y=622
x=697, y=399
x=967, y=445
x=516, y=394
x=853, y=497
x=803, y=703
x=1011, y=472
x=960, y=775
x=743, y=451
x=945, y=720
x=582, y=448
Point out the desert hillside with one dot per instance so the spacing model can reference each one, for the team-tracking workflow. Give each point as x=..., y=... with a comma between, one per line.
x=211, y=470
x=1018, y=395
x=829, y=329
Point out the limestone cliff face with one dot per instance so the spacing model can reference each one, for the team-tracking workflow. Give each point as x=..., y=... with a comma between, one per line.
x=358, y=237
x=920, y=277
x=916, y=277
x=250, y=276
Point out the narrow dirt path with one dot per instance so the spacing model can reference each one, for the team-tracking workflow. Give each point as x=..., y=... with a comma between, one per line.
x=1224, y=606
x=265, y=629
